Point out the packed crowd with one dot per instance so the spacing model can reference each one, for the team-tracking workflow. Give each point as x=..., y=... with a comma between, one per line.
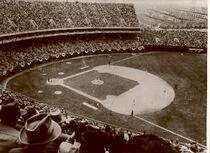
x=78, y=134
x=178, y=19
x=23, y=15
x=13, y=59
x=28, y=15
x=18, y=16
x=18, y=56
x=194, y=39
x=189, y=18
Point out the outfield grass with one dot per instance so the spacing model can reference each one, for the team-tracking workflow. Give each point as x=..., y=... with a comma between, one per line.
x=186, y=73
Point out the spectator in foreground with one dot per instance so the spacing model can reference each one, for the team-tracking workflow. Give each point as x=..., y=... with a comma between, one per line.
x=149, y=143
x=40, y=135
x=9, y=114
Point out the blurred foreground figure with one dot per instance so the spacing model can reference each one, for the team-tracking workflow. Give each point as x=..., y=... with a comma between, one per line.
x=149, y=143
x=9, y=114
x=40, y=134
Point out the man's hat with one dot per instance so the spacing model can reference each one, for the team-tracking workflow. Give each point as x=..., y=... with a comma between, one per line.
x=56, y=115
x=39, y=129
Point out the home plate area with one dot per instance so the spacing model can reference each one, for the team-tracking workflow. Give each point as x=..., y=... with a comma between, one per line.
x=120, y=89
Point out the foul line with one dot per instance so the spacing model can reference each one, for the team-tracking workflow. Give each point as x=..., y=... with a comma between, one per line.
x=181, y=136
x=174, y=133
x=74, y=75
x=83, y=72
x=82, y=93
x=124, y=59
x=95, y=99
x=4, y=84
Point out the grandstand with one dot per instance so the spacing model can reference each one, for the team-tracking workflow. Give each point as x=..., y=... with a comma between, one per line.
x=29, y=16
x=38, y=39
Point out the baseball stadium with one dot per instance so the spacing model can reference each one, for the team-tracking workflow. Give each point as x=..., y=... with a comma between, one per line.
x=135, y=72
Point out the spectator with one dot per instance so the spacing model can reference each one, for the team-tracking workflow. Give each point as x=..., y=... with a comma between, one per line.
x=149, y=143
x=87, y=134
x=9, y=114
x=40, y=135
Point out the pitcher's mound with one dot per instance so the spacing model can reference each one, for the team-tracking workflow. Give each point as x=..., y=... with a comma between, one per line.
x=151, y=94
x=97, y=82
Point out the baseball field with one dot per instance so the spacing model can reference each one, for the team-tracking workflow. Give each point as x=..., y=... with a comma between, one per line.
x=162, y=93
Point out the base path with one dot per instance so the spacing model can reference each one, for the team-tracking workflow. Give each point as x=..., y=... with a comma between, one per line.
x=151, y=94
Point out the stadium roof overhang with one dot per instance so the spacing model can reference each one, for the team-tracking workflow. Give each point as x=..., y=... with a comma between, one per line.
x=13, y=37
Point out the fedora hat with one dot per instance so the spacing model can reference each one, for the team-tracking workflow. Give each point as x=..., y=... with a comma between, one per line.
x=39, y=129
x=56, y=115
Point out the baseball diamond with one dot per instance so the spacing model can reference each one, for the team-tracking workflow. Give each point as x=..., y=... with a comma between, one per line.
x=103, y=76
x=150, y=84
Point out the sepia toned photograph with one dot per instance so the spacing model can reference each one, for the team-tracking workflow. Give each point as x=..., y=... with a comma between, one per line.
x=103, y=76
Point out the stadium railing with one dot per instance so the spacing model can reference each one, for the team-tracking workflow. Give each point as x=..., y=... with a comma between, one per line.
x=196, y=39
x=13, y=37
